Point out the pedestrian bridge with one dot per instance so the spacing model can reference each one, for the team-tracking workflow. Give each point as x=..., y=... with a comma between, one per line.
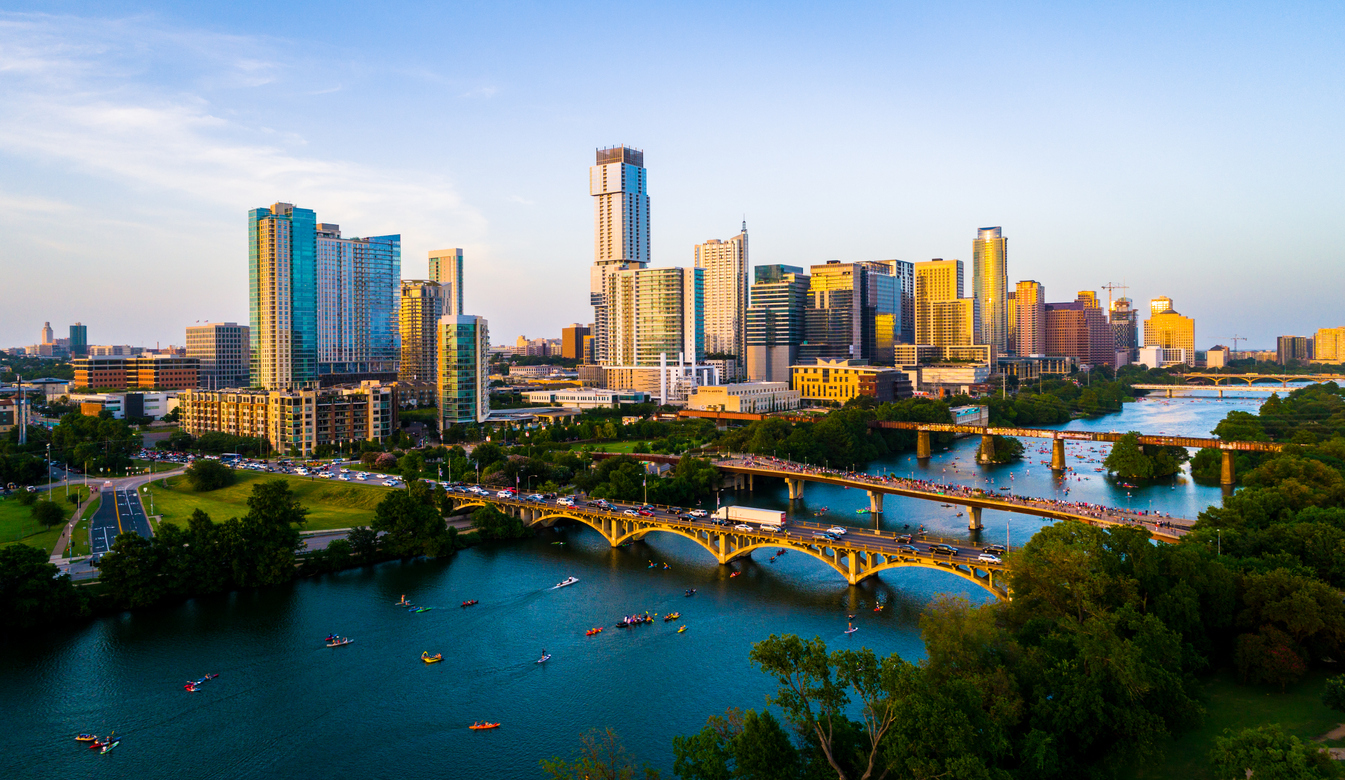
x=855, y=559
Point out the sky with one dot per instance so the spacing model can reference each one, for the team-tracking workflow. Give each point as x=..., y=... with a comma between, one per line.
x=1182, y=149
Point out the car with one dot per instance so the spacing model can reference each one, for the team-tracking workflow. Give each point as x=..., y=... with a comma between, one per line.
x=344, y=478
x=987, y=558
x=535, y=497
x=908, y=548
x=743, y=527
x=698, y=513
x=630, y=513
x=944, y=549
x=645, y=513
x=995, y=549
x=836, y=529
x=505, y=494
x=904, y=538
x=564, y=502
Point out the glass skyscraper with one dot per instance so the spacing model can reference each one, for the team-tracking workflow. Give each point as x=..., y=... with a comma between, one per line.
x=990, y=287
x=775, y=321
x=464, y=370
x=358, y=287
x=282, y=296
x=619, y=185
x=848, y=306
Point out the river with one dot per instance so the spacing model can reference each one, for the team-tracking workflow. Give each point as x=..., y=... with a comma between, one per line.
x=285, y=705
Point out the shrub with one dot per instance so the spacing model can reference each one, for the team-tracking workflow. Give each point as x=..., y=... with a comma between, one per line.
x=209, y=475
x=48, y=513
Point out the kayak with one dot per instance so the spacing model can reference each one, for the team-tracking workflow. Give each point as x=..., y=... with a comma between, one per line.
x=483, y=726
x=86, y=737
x=109, y=746
x=593, y=631
x=471, y=603
x=340, y=642
x=431, y=659
x=680, y=630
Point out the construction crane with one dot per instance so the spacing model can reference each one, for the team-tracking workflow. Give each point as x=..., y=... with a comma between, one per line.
x=1109, y=287
x=1235, y=340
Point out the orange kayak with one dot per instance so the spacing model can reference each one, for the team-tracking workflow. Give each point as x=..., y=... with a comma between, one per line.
x=480, y=726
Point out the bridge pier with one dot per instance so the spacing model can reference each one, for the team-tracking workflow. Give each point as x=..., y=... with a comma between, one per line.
x=795, y=489
x=751, y=483
x=987, y=454
x=1226, y=473
x=974, y=518
x=922, y=445
x=875, y=503
x=1057, y=455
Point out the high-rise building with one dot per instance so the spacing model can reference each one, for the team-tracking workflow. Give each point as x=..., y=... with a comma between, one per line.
x=423, y=303
x=852, y=312
x=936, y=280
x=48, y=335
x=572, y=341
x=79, y=340
x=655, y=314
x=990, y=286
x=1079, y=329
x=954, y=323
x=282, y=296
x=223, y=351
x=1329, y=345
x=1011, y=322
x=1289, y=349
x=358, y=286
x=446, y=270
x=904, y=271
x=1168, y=329
x=775, y=321
x=725, y=267
x=1030, y=313
x=1125, y=326
x=464, y=370
x=619, y=186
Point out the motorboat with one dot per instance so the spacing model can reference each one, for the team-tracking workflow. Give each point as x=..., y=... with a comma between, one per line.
x=566, y=581
x=471, y=603
x=340, y=642
x=431, y=659
x=483, y=726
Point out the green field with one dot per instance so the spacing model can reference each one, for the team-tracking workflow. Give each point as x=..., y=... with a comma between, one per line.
x=1228, y=705
x=17, y=524
x=614, y=446
x=330, y=504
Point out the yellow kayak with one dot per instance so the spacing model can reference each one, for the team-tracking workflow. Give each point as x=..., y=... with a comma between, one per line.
x=431, y=659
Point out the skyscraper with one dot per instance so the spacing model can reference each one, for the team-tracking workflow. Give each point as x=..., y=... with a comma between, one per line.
x=79, y=340
x=1125, y=326
x=48, y=335
x=223, y=351
x=1328, y=345
x=572, y=341
x=358, y=284
x=423, y=303
x=775, y=321
x=1170, y=330
x=1079, y=329
x=1290, y=349
x=1160, y=304
x=654, y=312
x=446, y=270
x=936, y=280
x=1030, y=310
x=464, y=370
x=904, y=271
x=620, y=193
x=282, y=296
x=725, y=267
x=990, y=285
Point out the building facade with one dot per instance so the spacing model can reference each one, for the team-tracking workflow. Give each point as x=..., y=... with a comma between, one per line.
x=118, y=372
x=572, y=341
x=954, y=323
x=1079, y=329
x=1168, y=329
x=745, y=397
x=618, y=183
x=1125, y=326
x=423, y=303
x=294, y=421
x=655, y=315
x=851, y=312
x=79, y=340
x=990, y=286
x=282, y=296
x=446, y=271
x=223, y=350
x=724, y=264
x=1329, y=345
x=775, y=321
x=904, y=272
x=838, y=381
x=588, y=398
x=464, y=370
x=1030, y=315
x=936, y=280
x=358, y=290
x=1290, y=349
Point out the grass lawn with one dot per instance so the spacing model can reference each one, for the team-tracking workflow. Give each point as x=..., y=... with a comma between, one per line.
x=614, y=446
x=330, y=504
x=425, y=414
x=1299, y=710
x=79, y=538
x=17, y=524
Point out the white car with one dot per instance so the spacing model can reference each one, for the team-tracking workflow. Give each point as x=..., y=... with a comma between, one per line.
x=344, y=478
x=362, y=475
x=988, y=558
x=536, y=497
x=698, y=513
x=569, y=502
x=504, y=494
x=743, y=527
x=836, y=529
x=631, y=513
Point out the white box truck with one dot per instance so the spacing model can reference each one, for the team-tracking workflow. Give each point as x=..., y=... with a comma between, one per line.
x=773, y=519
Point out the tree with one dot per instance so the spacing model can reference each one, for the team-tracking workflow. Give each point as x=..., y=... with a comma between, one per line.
x=206, y=474
x=1267, y=753
x=601, y=756
x=48, y=513
x=412, y=524
x=364, y=543
x=31, y=593
x=262, y=545
x=131, y=572
x=737, y=746
x=493, y=525
x=1127, y=459
x=1333, y=695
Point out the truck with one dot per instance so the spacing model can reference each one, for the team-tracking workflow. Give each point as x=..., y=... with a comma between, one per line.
x=766, y=518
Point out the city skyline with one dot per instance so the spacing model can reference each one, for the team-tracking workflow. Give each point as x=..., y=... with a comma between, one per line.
x=134, y=142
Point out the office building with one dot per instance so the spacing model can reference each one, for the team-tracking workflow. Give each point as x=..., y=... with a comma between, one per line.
x=48, y=336
x=671, y=383
x=123, y=406
x=837, y=381
x=1292, y=349
x=79, y=340
x=655, y=315
x=282, y=296
x=990, y=286
x=936, y=280
x=588, y=398
x=464, y=370
x=618, y=184
x=572, y=341
x=1168, y=329
x=1218, y=356
x=446, y=271
x=775, y=321
x=724, y=264
x=358, y=288
x=1030, y=316
x=745, y=397
x=294, y=421
x=222, y=348
x=1079, y=329
x=1329, y=345
x=123, y=372
x=954, y=323
x=904, y=272
x=953, y=377
x=1125, y=326
x=423, y=303
x=1011, y=322
x=851, y=312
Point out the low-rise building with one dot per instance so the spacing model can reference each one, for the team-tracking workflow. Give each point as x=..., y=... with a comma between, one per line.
x=586, y=398
x=1161, y=357
x=126, y=405
x=295, y=422
x=838, y=381
x=667, y=384
x=1027, y=369
x=117, y=372
x=954, y=377
x=747, y=397
x=13, y=412
x=1217, y=357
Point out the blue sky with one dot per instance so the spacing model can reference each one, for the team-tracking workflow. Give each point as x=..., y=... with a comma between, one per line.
x=1186, y=150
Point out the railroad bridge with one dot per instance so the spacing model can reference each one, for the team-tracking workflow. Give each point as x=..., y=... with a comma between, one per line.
x=856, y=559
